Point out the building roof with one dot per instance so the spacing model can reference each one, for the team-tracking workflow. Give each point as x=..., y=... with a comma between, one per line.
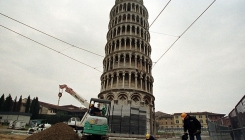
x=160, y=115
x=201, y=113
x=69, y=108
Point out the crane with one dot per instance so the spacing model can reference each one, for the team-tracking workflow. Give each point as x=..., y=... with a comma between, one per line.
x=92, y=126
x=74, y=94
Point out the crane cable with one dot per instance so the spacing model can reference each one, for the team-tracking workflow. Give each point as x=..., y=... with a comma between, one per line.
x=50, y=48
x=160, y=13
x=183, y=33
x=51, y=36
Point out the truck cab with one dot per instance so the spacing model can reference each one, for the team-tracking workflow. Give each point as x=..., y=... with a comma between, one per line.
x=97, y=123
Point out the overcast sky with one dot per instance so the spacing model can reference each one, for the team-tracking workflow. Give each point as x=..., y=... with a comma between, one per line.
x=203, y=71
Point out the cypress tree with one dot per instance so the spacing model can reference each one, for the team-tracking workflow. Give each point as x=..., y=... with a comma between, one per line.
x=36, y=109
x=19, y=104
x=1, y=101
x=28, y=103
x=15, y=104
x=8, y=103
x=32, y=105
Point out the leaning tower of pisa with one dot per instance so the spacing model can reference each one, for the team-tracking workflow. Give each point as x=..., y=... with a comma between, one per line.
x=127, y=79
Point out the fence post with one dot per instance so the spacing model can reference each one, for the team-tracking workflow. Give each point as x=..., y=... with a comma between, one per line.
x=240, y=122
x=232, y=126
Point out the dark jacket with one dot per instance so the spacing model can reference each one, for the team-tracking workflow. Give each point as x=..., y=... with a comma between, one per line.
x=151, y=138
x=192, y=125
x=93, y=111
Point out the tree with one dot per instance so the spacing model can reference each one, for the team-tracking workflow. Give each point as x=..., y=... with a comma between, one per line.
x=32, y=105
x=28, y=104
x=15, y=104
x=8, y=103
x=19, y=104
x=34, y=108
x=1, y=101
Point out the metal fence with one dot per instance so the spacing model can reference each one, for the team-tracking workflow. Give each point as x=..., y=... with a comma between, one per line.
x=177, y=129
x=217, y=131
x=236, y=130
x=237, y=120
x=128, y=120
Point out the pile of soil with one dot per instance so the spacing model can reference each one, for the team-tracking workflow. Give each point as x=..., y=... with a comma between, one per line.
x=59, y=131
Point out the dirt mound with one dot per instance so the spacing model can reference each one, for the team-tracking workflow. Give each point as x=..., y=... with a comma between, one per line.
x=59, y=131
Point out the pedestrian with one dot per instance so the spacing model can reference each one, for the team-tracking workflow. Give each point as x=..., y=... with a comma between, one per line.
x=149, y=137
x=192, y=125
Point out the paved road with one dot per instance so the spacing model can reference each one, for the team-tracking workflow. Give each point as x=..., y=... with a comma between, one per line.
x=178, y=138
x=203, y=138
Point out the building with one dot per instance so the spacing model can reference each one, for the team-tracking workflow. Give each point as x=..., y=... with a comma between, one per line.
x=127, y=79
x=175, y=122
x=6, y=117
x=51, y=109
x=164, y=121
x=71, y=110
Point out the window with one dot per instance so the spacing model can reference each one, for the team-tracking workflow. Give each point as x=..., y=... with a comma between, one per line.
x=177, y=121
x=200, y=116
x=201, y=121
x=176, y=116
x=166, y=122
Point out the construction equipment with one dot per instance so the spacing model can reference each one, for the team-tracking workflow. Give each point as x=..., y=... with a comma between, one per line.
x=94, y=127
x=17, y=124
x=38, y=128
x=73, y=122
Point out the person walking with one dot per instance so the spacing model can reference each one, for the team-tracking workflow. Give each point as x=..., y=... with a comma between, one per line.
x=192, y=125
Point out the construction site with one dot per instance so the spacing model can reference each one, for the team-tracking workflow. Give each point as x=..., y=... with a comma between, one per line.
x=123, y=108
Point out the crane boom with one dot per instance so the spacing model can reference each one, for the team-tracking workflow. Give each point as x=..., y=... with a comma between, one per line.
x=75, y=95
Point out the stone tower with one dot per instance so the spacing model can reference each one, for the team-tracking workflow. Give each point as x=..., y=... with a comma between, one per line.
x=127, y=79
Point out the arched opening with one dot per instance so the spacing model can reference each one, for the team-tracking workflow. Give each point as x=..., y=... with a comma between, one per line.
x=126, y=80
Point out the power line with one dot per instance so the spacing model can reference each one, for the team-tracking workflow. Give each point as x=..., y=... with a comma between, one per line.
x=163, y=34
x=160, y=13
x=184, y=32
x=51, y=35
x=50, y=48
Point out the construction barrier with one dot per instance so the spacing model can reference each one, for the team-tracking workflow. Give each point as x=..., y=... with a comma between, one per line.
x=217, y=131
x=236, y=130
x=237, y=119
